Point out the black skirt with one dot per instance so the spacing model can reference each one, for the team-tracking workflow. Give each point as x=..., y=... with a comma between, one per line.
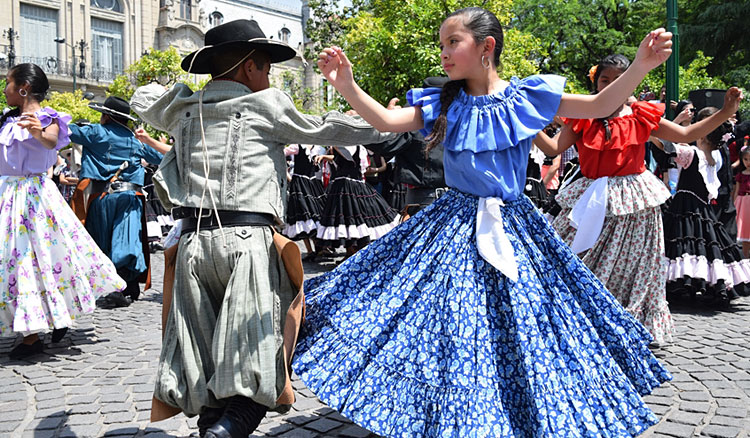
x=703, y=258
x=354, y=212
x=305, y=202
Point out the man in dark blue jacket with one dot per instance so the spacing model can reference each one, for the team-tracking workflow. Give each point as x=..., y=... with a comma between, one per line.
x=112, y=176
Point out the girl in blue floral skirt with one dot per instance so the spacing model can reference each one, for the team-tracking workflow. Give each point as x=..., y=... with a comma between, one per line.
x=473, y=318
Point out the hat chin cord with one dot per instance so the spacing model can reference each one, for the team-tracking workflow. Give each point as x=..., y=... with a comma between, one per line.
x=206, y=169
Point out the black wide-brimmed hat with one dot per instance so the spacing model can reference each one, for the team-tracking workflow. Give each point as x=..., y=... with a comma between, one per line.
x=244, y=34
x=115, y=107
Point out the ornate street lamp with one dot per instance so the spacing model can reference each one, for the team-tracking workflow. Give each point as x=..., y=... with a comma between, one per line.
x=11, y=35
x=82, y=46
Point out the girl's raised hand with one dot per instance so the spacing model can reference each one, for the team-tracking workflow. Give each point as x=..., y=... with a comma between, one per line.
x=335, y=66
x=732, y=99
x=654, y=49
x=30, y=122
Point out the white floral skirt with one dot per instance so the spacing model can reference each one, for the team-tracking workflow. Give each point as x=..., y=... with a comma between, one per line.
x=628, y=256
x=50, y=268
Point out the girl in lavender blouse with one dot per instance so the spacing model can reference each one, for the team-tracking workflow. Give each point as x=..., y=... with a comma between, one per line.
x=51, y=269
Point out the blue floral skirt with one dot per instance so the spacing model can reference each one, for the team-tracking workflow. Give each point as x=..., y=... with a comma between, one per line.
x=417, y=336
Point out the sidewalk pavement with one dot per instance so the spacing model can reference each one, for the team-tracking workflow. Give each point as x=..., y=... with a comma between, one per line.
x=98, y=381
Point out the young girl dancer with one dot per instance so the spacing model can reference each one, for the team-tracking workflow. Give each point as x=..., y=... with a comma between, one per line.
x=702, y=256
x=741, y=196
x=354, y=213
x=612, y=216
x=473, y=319
x=50, y=270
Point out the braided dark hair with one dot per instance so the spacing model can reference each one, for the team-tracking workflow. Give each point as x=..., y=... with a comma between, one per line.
x=33, y=75
x=482, y=24
x=447, y=95
x=715, y=137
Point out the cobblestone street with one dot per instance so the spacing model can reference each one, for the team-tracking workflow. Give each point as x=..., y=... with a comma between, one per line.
x=98, y=381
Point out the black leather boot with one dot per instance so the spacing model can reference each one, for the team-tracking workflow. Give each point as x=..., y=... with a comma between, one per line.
x=59, y=334
x=208, y=418
x=241, y=417
x=133, y=290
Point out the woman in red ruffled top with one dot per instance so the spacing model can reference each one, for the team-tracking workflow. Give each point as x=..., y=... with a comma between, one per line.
x=611, y=217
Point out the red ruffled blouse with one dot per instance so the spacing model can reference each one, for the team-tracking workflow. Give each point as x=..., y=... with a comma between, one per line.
x=624, y=153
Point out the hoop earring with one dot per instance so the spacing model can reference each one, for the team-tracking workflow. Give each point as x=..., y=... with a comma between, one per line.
x=488, y=65
x=23, y=92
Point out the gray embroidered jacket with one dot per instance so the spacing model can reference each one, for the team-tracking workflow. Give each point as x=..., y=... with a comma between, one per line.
x=245, y=135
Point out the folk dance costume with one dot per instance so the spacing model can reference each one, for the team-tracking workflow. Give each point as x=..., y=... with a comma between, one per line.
x=354, y=212
x=702, y=256
x=228, y=335
x=115, y=211
x=473, y=318
x=306, y=196
x=51, y=270
x=742, y=205
x=612, y=215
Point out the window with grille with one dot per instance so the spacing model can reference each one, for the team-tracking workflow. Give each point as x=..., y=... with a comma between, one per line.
x=110, y=5
x=106, y=48
x=37, y=37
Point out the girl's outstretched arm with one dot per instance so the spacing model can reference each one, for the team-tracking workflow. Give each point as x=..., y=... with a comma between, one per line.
x=653, y=51
x=337, y=69
x=557, y=144
x=685, y=134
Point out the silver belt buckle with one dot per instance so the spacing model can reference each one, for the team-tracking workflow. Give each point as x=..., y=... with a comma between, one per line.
x=113, y=187
x=207, y=212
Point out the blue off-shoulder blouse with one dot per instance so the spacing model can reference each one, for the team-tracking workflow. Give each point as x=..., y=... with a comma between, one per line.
x=489, y=137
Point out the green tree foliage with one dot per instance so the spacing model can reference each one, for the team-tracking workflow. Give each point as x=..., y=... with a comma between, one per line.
x=162, y=66
x=692, y=77
x=394, y=44
x=3, y=102
x=73, y=104
x=576, y=34
x=292, y=82
x=718, y=29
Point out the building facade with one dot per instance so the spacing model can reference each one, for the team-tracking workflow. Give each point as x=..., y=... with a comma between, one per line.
x=85, y=44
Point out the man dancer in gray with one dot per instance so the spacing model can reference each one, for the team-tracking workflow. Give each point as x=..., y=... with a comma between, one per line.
x=223, y=355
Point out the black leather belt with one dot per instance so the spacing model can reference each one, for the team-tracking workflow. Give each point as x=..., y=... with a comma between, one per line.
x=99, y=186
x=424, y=196
x=227, y=218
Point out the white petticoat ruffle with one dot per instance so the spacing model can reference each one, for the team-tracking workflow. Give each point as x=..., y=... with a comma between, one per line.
x=694, y=266
x=300, y=227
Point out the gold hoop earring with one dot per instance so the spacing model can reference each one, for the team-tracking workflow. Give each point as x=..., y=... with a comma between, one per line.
x=23, y=92
x=488, y=65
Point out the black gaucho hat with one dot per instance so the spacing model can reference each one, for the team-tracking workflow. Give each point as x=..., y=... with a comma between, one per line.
x=114, y=107
x=244, y=34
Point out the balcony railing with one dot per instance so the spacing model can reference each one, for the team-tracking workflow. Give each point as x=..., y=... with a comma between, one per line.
x=56, y=66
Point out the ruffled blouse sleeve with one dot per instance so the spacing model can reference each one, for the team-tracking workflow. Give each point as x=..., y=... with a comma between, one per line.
x=649, y=114
x=498, y=121
x=577, y=125
x=428, y=99
x=12, y=133
x=48, y=116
